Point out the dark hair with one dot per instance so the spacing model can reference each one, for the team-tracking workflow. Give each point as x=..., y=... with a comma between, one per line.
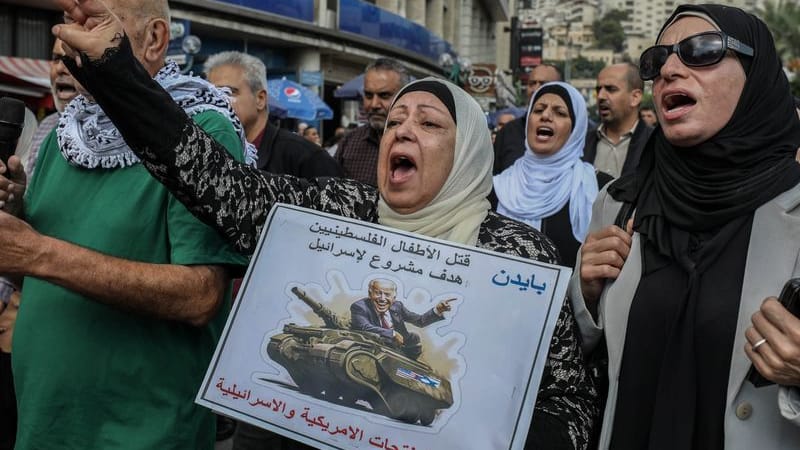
x=632, y=76
x=391, y=65
x=554, y=67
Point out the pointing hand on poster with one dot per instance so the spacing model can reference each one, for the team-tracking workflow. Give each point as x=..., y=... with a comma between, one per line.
x=443, y=306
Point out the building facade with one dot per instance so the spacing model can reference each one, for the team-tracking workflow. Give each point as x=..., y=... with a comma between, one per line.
x=321, y=43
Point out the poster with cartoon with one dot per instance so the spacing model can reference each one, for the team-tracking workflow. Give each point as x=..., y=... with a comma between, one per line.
x=350, y=335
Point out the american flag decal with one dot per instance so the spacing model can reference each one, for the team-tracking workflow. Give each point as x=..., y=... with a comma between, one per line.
x=411, y=375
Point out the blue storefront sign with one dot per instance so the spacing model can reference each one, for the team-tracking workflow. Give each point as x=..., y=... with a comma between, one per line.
x=311, y=78
x=366, y=19
x=296, y=9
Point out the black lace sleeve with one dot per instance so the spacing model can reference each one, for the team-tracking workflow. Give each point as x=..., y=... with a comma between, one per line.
x=567, y=406
x=232, y=197
x=236, y=198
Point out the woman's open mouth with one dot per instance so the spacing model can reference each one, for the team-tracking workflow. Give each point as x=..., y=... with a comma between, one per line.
x=544, y=133
x=676, y=104
x=402, y=167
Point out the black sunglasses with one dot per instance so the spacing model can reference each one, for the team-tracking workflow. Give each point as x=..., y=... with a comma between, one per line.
x=704, y=49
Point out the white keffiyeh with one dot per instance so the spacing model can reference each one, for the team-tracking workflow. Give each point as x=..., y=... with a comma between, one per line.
x=88, y=139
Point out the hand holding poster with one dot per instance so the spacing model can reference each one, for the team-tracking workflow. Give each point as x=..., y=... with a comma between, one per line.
x=352, y=335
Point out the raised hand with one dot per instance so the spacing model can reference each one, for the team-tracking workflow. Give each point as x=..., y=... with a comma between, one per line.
x=602, y=256
x=443, y=306
x=91, y=28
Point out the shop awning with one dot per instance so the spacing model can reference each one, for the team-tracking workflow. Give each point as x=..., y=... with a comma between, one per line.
x=25, y=76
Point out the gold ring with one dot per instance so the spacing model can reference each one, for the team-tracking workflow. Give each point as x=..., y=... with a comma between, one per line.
x=759, y=344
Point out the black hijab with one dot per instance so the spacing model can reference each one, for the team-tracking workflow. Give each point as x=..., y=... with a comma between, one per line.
x=691, y=203
x=747, y=163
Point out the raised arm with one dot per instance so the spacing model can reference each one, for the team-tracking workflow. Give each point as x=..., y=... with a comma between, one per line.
x=232, y=197
x=228, y=195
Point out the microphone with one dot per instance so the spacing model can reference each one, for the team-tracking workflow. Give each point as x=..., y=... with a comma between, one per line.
x=12, y=119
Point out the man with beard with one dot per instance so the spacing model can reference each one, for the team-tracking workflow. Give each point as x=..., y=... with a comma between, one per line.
x=64, y=88
x=358, y=150
x=616, y=145
x=381, y=314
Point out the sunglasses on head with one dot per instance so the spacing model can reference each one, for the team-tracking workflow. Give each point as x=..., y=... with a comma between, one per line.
x=704, y=49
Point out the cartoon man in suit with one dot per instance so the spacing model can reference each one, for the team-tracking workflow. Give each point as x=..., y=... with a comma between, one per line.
x=380, y=313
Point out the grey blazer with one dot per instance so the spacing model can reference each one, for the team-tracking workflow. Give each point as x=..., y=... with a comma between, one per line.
x=767, y=418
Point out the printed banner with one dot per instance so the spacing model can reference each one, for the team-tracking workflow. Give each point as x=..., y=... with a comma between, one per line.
x=349, y=335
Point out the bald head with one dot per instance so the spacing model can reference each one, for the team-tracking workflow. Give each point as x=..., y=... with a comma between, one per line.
x=146, y=23
x=140, y=9
x=541, y=74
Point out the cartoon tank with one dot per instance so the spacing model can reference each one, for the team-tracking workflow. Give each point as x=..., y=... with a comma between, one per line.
x=344, y=366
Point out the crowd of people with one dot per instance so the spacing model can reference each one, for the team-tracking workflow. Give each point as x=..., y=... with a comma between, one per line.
x=680, y=220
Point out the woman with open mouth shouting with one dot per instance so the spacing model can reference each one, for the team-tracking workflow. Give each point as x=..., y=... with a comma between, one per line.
x=685, y=298
x=549, y=187
x=434, y=176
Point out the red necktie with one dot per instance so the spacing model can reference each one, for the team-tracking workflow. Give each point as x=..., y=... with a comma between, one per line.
x=384, y=323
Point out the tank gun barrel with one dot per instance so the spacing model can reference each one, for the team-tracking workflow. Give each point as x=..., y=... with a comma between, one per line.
x=329, y=317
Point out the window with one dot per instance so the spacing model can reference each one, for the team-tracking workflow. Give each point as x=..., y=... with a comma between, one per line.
x=25, y=32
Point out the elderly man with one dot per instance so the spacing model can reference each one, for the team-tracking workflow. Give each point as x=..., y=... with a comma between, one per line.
x=358, y=150
x=125, y=291
x=382, y=314
x=279, y=151
x=616, y=145
x=509, y=144
x=63, y=88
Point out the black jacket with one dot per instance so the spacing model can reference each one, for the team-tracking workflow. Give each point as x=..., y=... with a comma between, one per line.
x=509, y=144
x=283, y=152
x=640, y=136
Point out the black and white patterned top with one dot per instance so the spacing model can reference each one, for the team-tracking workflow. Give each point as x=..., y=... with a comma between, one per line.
x=236, y=198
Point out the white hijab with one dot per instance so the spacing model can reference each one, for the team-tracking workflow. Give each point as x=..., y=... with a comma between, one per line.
x=536, y=187
x=455, y=214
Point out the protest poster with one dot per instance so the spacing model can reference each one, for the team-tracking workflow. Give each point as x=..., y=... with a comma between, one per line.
x=454, y=362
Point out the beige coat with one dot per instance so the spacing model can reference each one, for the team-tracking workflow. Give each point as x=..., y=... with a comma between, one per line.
x=763, y=419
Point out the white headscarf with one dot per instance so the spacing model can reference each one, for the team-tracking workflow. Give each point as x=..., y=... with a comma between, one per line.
x=536, y=187
x=455, y=214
